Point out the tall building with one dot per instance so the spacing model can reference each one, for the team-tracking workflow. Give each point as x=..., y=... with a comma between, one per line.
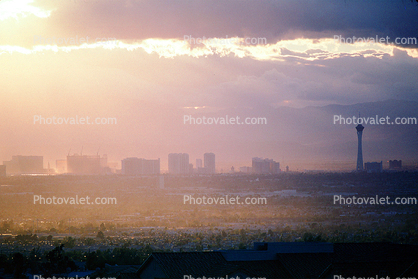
x=209, y=163
x=139, y=166
x=178, y=163
x=395, y=164
x=359, y=129
x=2, y=170
x=374, y=166
x=86, y=164
x=25, y=165
x=265, y=166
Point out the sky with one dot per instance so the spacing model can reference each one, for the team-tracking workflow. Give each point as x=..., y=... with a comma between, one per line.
x=150, y=64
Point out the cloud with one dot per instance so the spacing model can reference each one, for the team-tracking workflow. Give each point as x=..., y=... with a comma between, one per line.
x=275, y=20
x=20, y=9
x=130, y=21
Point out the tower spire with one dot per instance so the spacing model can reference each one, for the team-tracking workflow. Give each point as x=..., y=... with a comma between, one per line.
x=359, y=129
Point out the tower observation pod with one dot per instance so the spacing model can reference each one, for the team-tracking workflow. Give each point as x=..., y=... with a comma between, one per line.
x=359, y=129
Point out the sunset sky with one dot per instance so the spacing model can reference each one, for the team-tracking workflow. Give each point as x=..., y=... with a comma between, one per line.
x=143, y=72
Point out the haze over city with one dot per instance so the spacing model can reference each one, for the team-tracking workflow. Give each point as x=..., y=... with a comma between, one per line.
x=146, y=72
x=194, y=139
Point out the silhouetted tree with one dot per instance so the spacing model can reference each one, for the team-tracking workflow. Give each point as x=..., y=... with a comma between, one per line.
x=19, y=264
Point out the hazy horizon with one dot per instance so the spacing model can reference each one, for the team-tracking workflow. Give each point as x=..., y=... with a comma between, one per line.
x=149, y=65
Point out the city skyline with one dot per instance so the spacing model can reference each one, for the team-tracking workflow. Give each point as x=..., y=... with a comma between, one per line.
x=97, y=164
x=142, y=91
x=334, y=148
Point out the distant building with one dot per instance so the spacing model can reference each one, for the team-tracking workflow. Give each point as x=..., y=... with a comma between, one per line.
x=114, y=167
x=245, y=169
x=86, y=164
x=199, y=167
x=61, y=166
x=265, y=166
x=25, y=165
x=2, y=170
x=373, y=166
x=178, y=163
x=209, y=163
x=139, y=166
x=395, y=164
